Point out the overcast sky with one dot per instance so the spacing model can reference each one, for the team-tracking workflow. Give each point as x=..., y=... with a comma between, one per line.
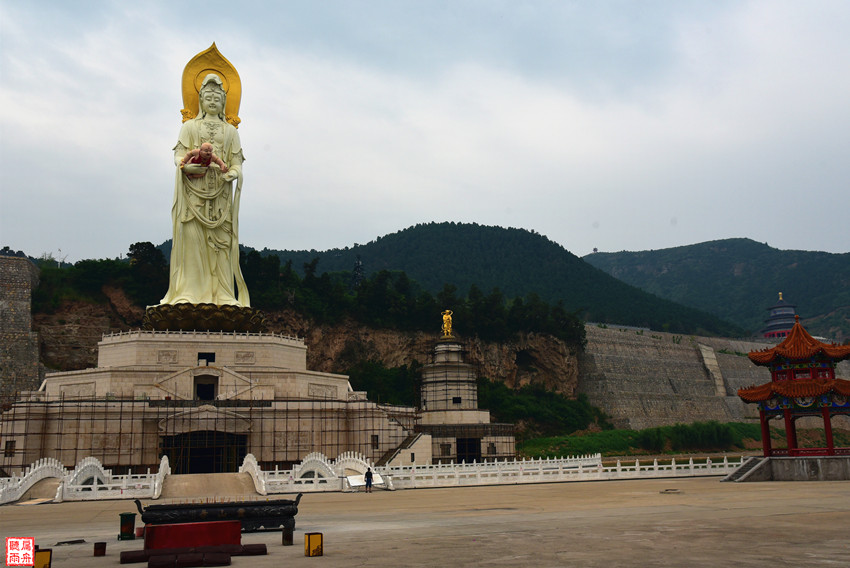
x=617, y=125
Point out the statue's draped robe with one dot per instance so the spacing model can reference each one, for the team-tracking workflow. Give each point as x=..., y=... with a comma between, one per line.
x=205, y=245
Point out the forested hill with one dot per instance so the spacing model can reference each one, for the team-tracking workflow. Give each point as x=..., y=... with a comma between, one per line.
x=738, y=279
x=519, y=263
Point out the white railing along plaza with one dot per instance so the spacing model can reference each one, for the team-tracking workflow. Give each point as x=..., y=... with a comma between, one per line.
x=90, y=481
x=588, y=468
x=86, y=482
x=13, y=488
x=100, y=483
x=327, y=475
x=687, y=468
x=491, y=473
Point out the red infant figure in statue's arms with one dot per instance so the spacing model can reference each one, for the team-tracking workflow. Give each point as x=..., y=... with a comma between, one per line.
x=203, y=156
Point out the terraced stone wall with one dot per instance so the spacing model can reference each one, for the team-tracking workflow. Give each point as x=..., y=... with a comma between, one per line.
x=644, y=379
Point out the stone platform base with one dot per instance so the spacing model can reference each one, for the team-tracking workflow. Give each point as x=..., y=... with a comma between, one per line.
x=810, y=468
x=203, y=317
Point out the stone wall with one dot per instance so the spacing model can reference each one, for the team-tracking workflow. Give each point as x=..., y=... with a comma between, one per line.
x=643, y=379
x=19, y=369
x=803, y=468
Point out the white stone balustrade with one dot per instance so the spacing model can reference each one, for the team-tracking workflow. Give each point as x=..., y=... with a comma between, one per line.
x=13, y=488
x=90, y=481
x=581, y=468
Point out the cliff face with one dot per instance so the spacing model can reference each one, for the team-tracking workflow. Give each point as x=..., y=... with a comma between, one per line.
x=530, y=359
x=69, y=337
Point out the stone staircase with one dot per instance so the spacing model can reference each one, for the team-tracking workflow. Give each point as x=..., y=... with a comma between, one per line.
x=197, y=485
x=748, y=466
x=391, y=454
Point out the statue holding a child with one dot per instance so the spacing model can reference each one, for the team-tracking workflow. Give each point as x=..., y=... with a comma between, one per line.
x=204, y=274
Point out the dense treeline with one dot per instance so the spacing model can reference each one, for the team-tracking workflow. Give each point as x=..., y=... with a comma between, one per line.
x=390, y=299
x=386, y=299
x=143, y=276
x=518, y=263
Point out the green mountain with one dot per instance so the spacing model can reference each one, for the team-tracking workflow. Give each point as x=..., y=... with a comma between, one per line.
x=519, y=263
x=738, y=279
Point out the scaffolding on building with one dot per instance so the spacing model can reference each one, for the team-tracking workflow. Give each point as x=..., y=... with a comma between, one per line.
x=460, y=430
x=209, y=428
x=131, y=435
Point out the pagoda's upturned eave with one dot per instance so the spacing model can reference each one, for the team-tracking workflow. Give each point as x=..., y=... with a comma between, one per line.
x=794, y=388
x=799, y=346
x=767, y=357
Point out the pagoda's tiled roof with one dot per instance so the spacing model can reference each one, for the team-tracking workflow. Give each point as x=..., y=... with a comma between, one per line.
x=800, y=346
x=795, y=388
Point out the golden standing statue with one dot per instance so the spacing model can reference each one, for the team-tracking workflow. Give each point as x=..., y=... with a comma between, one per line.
x=447, y=324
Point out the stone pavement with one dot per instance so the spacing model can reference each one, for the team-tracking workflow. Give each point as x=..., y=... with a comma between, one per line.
x=697, y=522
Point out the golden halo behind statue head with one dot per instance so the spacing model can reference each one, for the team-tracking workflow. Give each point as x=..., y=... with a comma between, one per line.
x=204, y=63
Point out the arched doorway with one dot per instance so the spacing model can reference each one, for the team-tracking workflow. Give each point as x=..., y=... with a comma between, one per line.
x=204, y=440
x=204, y=451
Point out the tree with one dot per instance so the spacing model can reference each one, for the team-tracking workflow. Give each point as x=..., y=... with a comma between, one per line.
x=148, y=274
x=145, y=253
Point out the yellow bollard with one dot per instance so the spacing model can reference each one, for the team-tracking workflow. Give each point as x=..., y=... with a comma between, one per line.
x=312, y=544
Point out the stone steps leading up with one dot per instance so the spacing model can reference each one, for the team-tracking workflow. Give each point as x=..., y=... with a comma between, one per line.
x=208, y=484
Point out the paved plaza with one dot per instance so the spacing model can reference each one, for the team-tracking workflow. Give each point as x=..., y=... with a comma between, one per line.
x=696, y=522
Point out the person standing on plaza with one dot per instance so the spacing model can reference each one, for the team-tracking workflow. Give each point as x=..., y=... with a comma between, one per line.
x=368, y=477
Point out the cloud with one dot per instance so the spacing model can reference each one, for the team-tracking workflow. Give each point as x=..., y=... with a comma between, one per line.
x=595, y=124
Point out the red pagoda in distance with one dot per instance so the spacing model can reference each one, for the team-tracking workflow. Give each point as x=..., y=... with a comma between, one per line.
x=780, y=320
x=803, y=383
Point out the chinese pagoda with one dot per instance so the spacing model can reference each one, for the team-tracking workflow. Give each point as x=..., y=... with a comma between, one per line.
x=803, y=383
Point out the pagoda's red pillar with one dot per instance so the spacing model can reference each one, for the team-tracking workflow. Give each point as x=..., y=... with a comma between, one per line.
x=765, y=433
x=790, y=432
x=827, y=429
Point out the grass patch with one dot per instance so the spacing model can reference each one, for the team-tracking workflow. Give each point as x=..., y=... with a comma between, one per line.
x=699, y=436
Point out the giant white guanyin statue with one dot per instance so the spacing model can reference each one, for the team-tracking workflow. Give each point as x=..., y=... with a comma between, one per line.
x=205, y=213
x=206, y=289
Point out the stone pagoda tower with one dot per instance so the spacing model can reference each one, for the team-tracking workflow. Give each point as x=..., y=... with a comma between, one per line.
x=449, y=411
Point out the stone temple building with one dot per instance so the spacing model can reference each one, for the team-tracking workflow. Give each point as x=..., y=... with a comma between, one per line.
x=206, y=399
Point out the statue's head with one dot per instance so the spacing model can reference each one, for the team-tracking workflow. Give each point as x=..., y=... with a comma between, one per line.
x=211, y=97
